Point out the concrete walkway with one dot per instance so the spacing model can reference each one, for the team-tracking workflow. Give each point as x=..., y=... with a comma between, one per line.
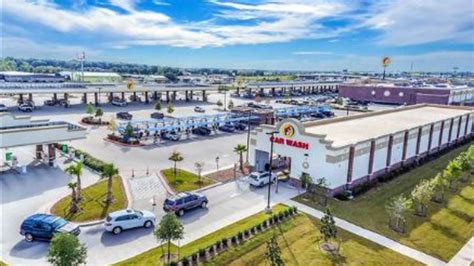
x=465, y=256
x=379, y=239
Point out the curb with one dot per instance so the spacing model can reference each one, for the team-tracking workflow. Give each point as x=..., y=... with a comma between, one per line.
x=91, y=223
x=210, y=186
x=123, y=144
x=165, y=184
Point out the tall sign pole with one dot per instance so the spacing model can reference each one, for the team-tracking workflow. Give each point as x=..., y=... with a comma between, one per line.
x=385, y=63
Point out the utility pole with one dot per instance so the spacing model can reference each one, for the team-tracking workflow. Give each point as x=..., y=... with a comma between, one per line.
x=272, y=134
x=81, y=57
x=248, y=135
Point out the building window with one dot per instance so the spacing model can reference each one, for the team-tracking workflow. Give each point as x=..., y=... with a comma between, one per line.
x=386, y=93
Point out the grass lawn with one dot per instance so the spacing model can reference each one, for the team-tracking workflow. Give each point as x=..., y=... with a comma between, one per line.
x=298, y=239
x=92, y=206
x=442, y=233
x=152, y=256
x=184, y=180
x=3, y=263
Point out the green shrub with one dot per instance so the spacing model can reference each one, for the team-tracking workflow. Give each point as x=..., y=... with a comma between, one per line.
x=240, y=235
x=202, y=252
x=185, y=261
x=90, y=161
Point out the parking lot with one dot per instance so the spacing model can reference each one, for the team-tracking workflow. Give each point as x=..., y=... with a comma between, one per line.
x=23, y=195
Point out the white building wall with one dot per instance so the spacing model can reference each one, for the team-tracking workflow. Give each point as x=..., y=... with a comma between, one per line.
x=361, y=161
x=380, y=155
x=454, y=132
x=424, y=139
x=397, y=148
x=435, y=136
x=447, y=124
x=411, y=145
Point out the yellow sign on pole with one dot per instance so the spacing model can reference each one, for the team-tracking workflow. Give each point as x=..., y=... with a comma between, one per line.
x=130, y=84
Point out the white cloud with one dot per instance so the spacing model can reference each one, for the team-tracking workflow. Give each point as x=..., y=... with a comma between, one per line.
x=312, y=53
x=161, y=3
x=407, y=22
x=277, y=21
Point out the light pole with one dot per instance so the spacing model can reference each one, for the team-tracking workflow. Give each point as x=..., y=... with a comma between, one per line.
x=248, y=136
x=272, y=134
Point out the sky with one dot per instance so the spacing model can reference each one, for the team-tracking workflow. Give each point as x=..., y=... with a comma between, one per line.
x=305, y=35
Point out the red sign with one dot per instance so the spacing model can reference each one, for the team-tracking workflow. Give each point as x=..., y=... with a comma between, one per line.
x=290, y=142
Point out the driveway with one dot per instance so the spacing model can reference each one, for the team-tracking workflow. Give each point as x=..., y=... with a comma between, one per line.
x=24, y=194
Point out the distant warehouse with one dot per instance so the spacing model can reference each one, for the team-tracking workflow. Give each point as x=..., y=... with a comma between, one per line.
x=395, y=94
x=347, y=151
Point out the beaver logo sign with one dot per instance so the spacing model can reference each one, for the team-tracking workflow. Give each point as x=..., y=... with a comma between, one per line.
x=130, y=84
x=288, y=130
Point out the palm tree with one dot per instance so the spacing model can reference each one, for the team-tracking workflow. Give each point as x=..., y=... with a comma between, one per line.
x=175, y=157
x=240, y=149
x=199, y=166
x=73, y=207
x=109, y=170
x=76, y=169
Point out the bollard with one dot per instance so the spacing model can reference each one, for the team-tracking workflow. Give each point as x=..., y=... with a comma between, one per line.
x=153, y=202
x=133, y=173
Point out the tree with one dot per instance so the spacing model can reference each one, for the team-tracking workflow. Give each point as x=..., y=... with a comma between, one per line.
x=397, y=208
x=113, y=126
x=219, y=103
x=273, y=253
x=320, y=189
x=439, y=185
x=128, y=132
x=421, y=195
x=231, y=104
x=328, y=228
x=76, y=170
x=66, y=250
x=453, y=173
x=240, y=149
x=170, y=228
x=199, y=166
x=466, y=165
x=306, y=180
x=158, y=106
x=170, y=109
x=109, y=171
x=175, y=157
x=90, y=110
x=73, y=208
x=99, y=113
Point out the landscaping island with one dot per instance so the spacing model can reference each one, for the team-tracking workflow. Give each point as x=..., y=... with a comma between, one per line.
x=92, y=206
x=296, y=234
x=444, y=230
x=184, y=180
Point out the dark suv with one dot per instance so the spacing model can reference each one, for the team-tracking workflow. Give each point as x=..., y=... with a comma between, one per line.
x=203, y=131
x=124, y=115
x=44, y=226
x=184, y=201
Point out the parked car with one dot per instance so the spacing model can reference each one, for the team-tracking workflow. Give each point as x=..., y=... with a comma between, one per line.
x=44, y=226
x=203, y=131
x=240, y=126
x=119, y=102
x=124, y=115
x=199, y=109
x=121, y=220
x=26, y=107
x=51, y=102
x=173, y=136
x=227, y=128
x=260, y=179
x=184, y=201
x=157, y=115
x=3, y=108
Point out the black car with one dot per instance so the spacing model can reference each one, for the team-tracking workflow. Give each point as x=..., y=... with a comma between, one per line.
x=227, y=128
x=240, y=126
x=124, y=115
x=157, y=115
x=184, y=201
x=203, y=131
x=44, y=226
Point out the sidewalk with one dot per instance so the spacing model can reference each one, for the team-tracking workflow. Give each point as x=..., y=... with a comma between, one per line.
x=465, y=256
x=379, y=239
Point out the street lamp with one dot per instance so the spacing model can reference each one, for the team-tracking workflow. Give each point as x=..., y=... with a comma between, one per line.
x=272, y=134
x=248, y=136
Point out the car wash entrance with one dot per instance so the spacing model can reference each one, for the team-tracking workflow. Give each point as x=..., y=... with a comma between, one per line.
x=279, y=163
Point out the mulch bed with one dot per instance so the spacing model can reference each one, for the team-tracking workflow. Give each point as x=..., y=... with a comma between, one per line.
x=227, y=174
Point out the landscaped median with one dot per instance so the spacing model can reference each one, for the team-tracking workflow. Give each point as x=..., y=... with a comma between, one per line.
x=446, y=227
x=93, y=205
x=184, y=180
x=244, y=243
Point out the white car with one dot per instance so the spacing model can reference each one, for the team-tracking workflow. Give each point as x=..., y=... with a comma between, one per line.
x=3, y=108
x=26, y=107
x=119, y=102
x=260, y=179
x=121, y=220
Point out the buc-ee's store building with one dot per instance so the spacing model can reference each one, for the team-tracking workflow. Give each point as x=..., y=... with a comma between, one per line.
x=349, y=150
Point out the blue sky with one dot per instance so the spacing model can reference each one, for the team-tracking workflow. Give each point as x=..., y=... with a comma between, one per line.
x=265, y=34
